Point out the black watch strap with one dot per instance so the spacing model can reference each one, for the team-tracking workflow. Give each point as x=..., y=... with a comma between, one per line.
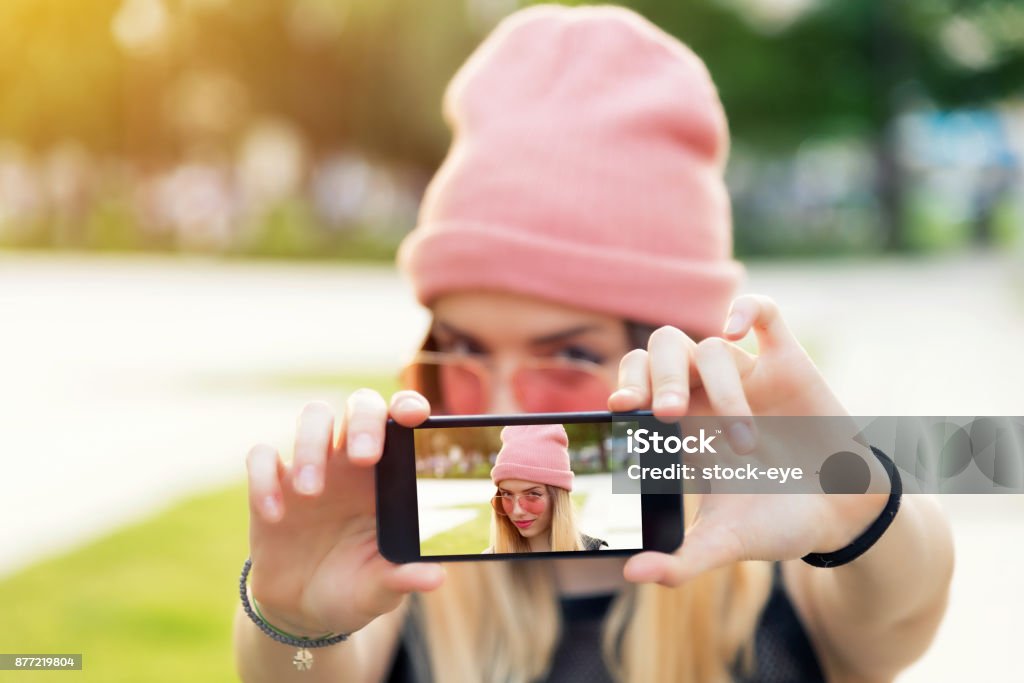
x=860, y=545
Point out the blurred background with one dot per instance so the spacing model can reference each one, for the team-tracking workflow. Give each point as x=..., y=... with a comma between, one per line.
x=199, y=206
x=308, y=128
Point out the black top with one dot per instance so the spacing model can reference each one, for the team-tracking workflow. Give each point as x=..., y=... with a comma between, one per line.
x=783, y=652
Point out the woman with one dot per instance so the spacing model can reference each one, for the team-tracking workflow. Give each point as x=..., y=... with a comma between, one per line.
x=532, y=510
x=583, y=202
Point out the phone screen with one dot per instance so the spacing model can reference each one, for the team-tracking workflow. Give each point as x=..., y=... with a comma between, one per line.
x=470, y=488
x=522, y=488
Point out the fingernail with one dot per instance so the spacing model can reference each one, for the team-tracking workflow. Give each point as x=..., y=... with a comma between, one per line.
x=644, y=572
x=308, y=480
x=362, y=446
x=271, y=508
x=408, y=404
x=742, y=437
x=669, y=399
x=627, y=392
x=734, y=324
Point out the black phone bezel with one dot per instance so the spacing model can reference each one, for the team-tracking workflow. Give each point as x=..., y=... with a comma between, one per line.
x=395, y=474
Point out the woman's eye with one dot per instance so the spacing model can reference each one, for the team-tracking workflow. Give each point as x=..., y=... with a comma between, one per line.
x=580, y=353
x=533, y=497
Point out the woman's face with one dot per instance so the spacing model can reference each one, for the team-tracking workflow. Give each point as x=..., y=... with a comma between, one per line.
x=503, y=330
x=527, y=505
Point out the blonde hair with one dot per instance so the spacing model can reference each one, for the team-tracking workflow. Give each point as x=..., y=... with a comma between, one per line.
x=500, y=621
x=563, y=532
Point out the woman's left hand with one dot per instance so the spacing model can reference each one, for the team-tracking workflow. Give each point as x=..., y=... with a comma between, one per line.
x=675, y=376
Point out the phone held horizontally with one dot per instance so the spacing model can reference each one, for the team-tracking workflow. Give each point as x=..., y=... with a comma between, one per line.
x=488, y=487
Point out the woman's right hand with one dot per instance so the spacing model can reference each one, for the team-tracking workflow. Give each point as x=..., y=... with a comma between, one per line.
x=312, y=536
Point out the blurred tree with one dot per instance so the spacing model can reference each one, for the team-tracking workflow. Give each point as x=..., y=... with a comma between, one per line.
x=791, y=71
x=586, y=434
x=152, y=81
x=126, y=76
x=61, y=76
x=367, y=74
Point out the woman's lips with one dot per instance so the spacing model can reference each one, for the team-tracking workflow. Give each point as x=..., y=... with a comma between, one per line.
x=524, y=524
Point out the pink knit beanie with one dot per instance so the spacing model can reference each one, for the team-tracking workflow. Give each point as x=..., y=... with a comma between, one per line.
x=586, y=168
x=538, y=453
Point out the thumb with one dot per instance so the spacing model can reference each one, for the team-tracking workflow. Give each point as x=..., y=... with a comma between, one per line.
x=383, y=584
x=418, y=576
x=704, y=548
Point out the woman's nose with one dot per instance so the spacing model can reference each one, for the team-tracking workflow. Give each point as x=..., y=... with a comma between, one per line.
x=503, y=398
x=503, y=402
x=516, y=508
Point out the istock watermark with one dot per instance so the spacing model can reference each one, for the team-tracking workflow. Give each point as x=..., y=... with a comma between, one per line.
x=813, y=454
x=647, y=440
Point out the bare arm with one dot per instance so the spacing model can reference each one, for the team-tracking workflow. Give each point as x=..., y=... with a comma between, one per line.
x=877, y=614
x=365, y=656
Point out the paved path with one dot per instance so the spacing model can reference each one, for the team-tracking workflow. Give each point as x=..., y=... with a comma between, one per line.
x=614, y=518
x=436, y=499
x=128, y=382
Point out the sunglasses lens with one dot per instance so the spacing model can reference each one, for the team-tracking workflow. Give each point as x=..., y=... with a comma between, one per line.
x=498, y=503
x=558, y=390
x=457, y=386
x=506, y=505
x=462, y=389
x=533, y=505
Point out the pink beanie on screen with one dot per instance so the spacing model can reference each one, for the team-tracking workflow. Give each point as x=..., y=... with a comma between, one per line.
x=538, y=453
x=586, y=168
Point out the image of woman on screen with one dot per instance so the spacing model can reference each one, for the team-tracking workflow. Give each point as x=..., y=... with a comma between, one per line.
x=532, y=508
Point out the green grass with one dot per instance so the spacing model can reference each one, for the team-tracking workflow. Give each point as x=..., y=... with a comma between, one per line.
x=474, y=536
x=155, y=600
x=468, y=538
x=151, y=602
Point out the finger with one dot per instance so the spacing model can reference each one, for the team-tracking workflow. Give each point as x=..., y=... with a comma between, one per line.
x=724, y=389
x=703, y=549
x=669, y=356
x=365, y=416
x=634, y=389
x=264, y=473
x=312, y=443
x=417, y=576
x=409, y=408
x=760, y=313
x=384, y=591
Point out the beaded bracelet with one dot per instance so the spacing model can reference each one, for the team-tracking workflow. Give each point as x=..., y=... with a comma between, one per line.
x=303, y=659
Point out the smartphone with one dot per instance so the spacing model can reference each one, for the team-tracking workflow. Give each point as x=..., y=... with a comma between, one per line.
x=497, y=487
